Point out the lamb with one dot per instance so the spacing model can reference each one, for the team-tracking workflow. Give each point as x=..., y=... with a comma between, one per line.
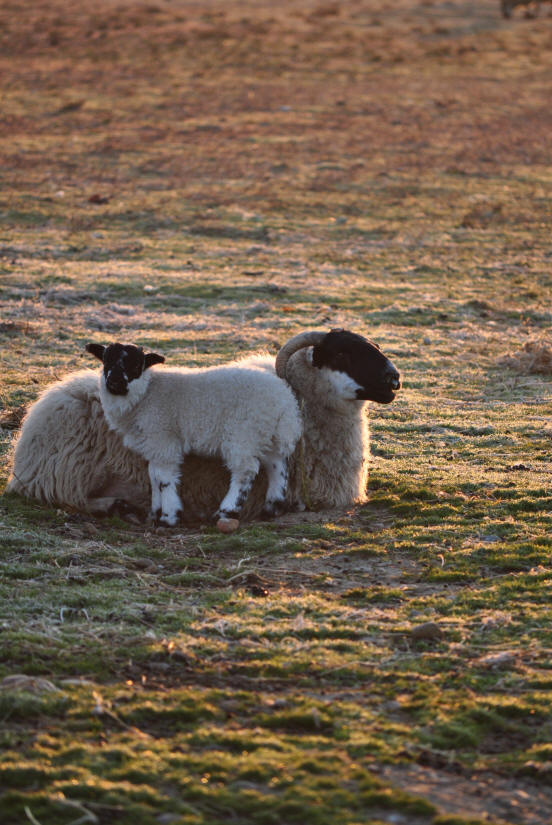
x=67, y=456
x=245, y=416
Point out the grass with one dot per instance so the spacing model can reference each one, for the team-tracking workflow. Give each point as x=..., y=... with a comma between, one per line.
x=208, y=180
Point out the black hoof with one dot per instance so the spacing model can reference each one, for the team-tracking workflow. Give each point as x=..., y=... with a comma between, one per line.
x=274, y=509
x=162, y=519
x=227, y=514
x=155, y=515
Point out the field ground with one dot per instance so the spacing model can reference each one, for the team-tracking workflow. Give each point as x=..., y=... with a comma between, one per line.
x=209, y=178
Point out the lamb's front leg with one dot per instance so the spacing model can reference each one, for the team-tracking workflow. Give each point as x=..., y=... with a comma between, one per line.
x=166, y=507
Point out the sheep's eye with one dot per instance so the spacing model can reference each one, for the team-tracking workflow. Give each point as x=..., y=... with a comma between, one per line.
x=132, y=370
x=341, y=361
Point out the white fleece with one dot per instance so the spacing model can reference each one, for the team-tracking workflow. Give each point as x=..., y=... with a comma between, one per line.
x=246, y=416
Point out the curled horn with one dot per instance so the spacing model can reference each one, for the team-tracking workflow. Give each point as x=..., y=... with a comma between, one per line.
x=304, y=339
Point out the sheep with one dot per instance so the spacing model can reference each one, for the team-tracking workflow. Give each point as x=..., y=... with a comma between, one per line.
x=333, y=375
x=245, y=416
x=67, y=456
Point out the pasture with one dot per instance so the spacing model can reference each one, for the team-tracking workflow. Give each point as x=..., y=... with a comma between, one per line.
x=207, y=179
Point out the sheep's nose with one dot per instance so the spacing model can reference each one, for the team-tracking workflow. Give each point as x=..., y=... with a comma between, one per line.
x=392, y=377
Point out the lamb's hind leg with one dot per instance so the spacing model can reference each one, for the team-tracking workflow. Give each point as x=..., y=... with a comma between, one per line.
x=166, y=507
x=241, y=482
x=276, y=468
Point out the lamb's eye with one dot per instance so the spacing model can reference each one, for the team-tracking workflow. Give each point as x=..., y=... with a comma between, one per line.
x=128, y=366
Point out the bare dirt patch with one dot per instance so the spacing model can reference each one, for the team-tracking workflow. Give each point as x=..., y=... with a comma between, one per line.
x=476, y=794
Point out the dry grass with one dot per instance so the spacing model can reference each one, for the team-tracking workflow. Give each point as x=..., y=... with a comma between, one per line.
x=208, y=179
x=534, y=357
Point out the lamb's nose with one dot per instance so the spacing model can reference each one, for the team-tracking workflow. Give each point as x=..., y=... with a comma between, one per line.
x=116, y=383
x=116, y=389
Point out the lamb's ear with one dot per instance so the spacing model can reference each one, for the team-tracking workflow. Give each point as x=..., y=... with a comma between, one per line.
x=96, y=349
x=152, y=358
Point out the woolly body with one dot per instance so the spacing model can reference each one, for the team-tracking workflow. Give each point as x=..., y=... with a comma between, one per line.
x=330, y=464
x=245, y=416
x=65, y=454
x=178, y=411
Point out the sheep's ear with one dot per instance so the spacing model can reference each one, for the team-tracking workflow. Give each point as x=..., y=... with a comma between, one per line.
x=96, y=349
x=152, y=358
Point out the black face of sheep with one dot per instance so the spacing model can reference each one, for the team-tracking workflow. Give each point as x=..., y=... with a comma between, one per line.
x=123, y=363
x=373, y=376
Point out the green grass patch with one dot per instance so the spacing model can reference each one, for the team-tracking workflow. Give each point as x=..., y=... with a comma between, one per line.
x=208, y=182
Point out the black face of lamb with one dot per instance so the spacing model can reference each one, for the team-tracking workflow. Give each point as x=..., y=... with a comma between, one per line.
x=361, y=360
x=123, y=363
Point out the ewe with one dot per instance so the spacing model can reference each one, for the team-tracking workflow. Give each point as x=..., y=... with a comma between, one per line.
x=67, y=456
x=333, y=375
